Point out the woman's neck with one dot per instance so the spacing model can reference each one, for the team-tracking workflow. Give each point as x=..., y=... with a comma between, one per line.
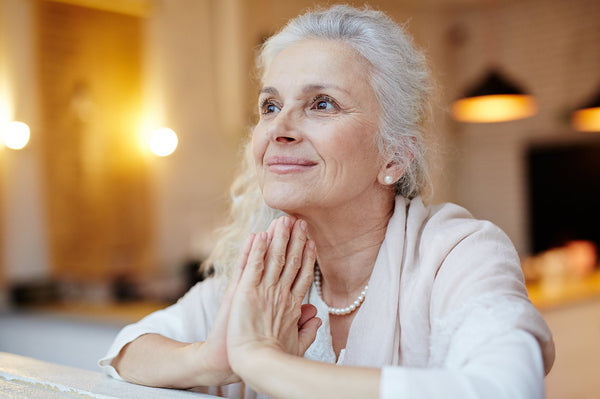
x=348, y=242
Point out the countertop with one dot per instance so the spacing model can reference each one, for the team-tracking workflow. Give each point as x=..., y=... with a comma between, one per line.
x=25, y=377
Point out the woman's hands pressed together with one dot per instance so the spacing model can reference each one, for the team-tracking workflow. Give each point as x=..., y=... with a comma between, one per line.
x=261, y=311
x=261, y=331
x=266, y=308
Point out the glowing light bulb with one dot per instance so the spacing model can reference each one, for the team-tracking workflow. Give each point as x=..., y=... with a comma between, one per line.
x=16, y=135
x=494, y=108
x=586, y=120
x=163, y=142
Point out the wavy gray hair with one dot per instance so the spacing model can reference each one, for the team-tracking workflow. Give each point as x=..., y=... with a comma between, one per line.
x=401, y=81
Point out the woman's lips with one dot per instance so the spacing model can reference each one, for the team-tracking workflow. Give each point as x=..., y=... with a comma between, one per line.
x=286, y=164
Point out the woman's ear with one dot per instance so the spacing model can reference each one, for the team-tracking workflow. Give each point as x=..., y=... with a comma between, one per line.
x=390, y=173
x=393, y=170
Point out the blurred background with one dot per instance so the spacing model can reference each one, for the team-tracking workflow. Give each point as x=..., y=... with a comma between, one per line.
x=121, y=124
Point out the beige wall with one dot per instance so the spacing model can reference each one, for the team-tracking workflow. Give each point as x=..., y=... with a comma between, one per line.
x=23, y=229
x=552, y=48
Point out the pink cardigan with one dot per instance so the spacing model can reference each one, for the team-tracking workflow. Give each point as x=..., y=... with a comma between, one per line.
x=446, y=315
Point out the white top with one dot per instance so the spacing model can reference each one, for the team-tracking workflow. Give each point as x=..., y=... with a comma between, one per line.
x=322, y=348
x=446, y=314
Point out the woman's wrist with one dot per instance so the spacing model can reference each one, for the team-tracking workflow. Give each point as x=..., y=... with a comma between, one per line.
x=208, y=368
x=257, y=365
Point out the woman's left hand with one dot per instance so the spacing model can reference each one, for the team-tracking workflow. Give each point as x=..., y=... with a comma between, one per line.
x=267, y=310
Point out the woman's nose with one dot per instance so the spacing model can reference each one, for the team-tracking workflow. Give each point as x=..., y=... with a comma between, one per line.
x=285, y=128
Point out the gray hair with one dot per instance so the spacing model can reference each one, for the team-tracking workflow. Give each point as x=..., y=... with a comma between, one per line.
x=399, y=77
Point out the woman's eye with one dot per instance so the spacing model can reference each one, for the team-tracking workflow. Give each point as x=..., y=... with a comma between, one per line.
x=268, y=107
x=323, y=104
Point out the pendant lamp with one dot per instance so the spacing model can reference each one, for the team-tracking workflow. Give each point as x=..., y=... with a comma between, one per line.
x=494, y=99
x=587, y=117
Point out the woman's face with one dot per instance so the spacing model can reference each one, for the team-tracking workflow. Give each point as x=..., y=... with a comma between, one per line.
x=315, y=143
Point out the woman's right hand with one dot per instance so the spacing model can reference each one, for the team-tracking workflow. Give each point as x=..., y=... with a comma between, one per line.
x=214, y=349
x=186, y=365
x=155, y=360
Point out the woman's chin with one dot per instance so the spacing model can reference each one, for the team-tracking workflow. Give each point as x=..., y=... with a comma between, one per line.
x=284, y=206
x=285, y=203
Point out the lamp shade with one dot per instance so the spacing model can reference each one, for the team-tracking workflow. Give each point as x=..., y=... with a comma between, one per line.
x=587, y=117
x=494, y=99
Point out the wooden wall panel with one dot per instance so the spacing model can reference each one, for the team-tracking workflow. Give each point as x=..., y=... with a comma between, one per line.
x=96, y=180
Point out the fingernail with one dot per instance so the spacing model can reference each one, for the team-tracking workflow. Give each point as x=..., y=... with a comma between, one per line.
x=286, y=221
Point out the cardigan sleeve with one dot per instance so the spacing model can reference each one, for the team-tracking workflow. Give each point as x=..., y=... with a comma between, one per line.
x=485, y=338
x=188, y=320
x=509, y=367
x=478, y=296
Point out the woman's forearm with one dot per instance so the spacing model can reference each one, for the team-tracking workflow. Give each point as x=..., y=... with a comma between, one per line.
x=281, y=375
x=155, y=360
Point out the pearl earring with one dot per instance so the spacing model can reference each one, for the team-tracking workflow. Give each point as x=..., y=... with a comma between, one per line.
x=388, y=179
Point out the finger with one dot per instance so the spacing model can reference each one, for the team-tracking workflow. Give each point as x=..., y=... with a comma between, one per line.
x=276, y=253
x=237, y=271
x=307, y=334
x=305, y=275
x=271, y=229
x=242, y=259
x=294, y=255
x=219, y=329
x=253, y=271
x=307, y=312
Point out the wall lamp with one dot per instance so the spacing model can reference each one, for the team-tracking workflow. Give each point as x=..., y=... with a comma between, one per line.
x=163, y=142
x=15, y=135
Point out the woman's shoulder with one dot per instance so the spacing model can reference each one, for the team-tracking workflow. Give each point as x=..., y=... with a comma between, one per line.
x=455, y=249
x=448, y=222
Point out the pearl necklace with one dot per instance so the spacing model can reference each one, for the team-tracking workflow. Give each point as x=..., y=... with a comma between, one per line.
x=339, y=311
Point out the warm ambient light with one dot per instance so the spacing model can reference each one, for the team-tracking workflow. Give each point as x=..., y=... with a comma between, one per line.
x=494, y=108
x=586, y=120
x=587, y=117
x=16, y=135
x=495, y=99
x=163, y=142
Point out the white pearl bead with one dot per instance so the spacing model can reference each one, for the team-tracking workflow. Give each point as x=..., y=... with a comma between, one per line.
x=338, y=311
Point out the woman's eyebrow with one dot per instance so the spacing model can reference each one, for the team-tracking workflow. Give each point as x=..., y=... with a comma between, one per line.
x=269, y=90
x=308, y=88
x=320, y=87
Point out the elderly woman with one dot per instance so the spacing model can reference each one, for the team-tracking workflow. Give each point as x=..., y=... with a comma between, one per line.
x=334, y=278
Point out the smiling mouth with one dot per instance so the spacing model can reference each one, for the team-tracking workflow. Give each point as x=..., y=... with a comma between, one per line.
x=284, y=165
